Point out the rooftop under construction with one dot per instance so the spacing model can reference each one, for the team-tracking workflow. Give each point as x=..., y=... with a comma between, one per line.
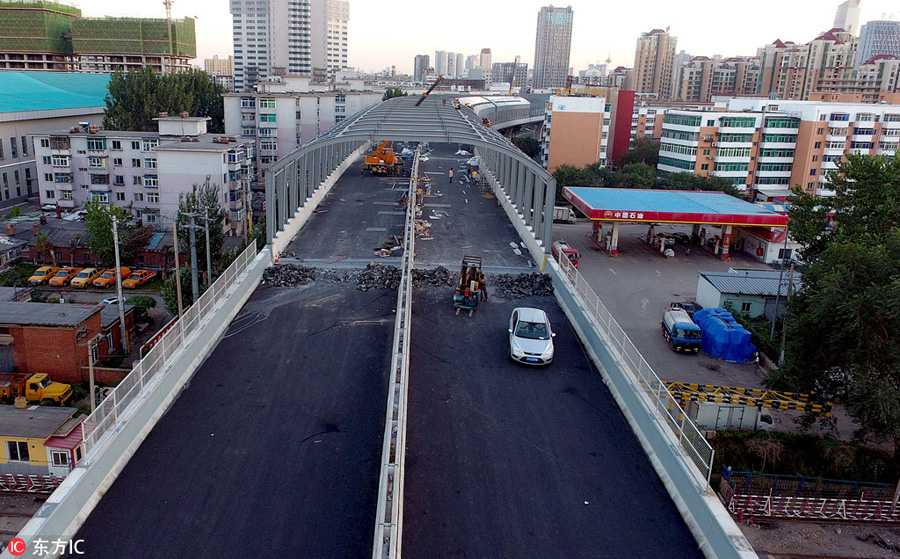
x=50, y=36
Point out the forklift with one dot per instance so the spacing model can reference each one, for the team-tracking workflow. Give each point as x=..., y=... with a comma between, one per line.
x=471, y=287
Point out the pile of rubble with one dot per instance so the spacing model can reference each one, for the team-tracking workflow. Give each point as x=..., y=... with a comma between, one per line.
x=521, y=285
x=375, y=276
x=435, y=277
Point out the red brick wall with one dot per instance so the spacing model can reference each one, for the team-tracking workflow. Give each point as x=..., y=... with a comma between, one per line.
x=59, y=352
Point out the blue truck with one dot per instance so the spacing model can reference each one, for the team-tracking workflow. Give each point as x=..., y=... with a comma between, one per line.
x=681, y=332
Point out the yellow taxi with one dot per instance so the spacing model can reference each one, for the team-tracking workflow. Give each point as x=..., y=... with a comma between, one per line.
x=85, y=277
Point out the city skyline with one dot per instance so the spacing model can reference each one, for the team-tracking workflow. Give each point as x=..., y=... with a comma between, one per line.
x=467, y=26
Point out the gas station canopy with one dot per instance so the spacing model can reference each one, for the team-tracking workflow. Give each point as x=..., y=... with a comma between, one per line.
x=669, y=206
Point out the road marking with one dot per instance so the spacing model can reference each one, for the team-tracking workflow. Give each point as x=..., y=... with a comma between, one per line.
x=613, y=271
x=658, y=273
x=644, y=303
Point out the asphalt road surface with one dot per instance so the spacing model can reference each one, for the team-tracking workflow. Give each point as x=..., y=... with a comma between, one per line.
x=507, y=461
x=273, y=449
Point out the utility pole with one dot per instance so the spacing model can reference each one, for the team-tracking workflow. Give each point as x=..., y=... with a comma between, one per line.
x=784, y=316
x=206, y=221
x=177, y=270
x=195, y=281
x=121, y=304
x=780, y=280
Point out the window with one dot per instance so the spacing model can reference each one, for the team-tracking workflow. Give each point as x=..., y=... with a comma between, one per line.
x=704, y=167
x=45, y=142
x=745, y=307
x=117, y=162
x=50, y=194
x=24, y=146
x=681, y=120
x=812, y=172
x=138, y=197
x=839, y=117
x=135, y=145
x=248, y=102
x=17, y=451
x=117, y=144
x=120, y=196
x=153, y=198
x=59, y=458
x=738, y=122
x=151, y=181
x=59, y=160
x=96, y=143
x=102, y=197
x=67, y=195
x=248, y=131
x=819, y=131
x=267, y=118
x=99, y=179
x=267, y=103
x=13, y=148
x=48, y=177
x=818, y=145
x=1, y=149
x=150, y=163
x=119, y=180
x=147, y=145
x=97, y=162
x=62, y=177
x=135, y=162
x=782, y=122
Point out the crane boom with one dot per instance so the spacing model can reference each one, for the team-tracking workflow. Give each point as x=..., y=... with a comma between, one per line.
x=430, y=89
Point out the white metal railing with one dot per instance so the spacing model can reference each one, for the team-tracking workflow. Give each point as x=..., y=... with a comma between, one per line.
x=668, y=410
x=389, y=513
x=114, y=409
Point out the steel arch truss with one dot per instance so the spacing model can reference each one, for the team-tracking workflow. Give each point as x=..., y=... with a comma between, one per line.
x=291, y=182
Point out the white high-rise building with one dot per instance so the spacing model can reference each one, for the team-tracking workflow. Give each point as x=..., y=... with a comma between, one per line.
x=847, y=16
x=552, y=45
x=878, y=37
x=451, y=65
x=279, y=37
x=440, y=63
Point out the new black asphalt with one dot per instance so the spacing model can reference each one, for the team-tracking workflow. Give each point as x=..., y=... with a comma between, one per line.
x=273, y=449
x=507, y=461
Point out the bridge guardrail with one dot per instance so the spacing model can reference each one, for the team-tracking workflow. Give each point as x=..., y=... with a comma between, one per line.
x=695, y=445
x=114, y=409
x=388, y=537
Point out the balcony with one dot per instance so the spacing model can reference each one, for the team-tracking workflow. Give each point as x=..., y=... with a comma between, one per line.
x=774, y=174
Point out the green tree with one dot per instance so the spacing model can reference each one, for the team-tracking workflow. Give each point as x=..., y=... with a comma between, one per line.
x=142, y=303
x=137, y=97
x=390, y=93
x=44, y=245
x=842, y=339
x=528, y=145
x=98, y=222
x=637, y=175
x=202, y=201
x=645, y=150
x=170, y=291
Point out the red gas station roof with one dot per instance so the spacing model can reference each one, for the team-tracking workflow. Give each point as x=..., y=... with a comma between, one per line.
x=669, y=206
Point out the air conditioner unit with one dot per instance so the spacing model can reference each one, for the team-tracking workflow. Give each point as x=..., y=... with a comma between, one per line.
x=715, y=144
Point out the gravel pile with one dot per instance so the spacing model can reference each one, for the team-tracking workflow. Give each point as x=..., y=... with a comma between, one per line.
x=375, y=276
x=521, y=285
x=435, y=277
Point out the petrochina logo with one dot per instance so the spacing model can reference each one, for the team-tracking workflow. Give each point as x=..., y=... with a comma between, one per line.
x=607, y=213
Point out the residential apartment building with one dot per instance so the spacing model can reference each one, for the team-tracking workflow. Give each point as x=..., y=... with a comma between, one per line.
x=702, y=78
x=653, y=64
x=878, y=38
x=279, y=122
x=440, y=63
x=576, y=131
x=846, y=16
x=144, y=171
x=765, y=147
x=513, y=73
x=287, y=37
x=552, y=46
x=216, y=66
x=33, y=102
x=484, y=62
x=42, y=35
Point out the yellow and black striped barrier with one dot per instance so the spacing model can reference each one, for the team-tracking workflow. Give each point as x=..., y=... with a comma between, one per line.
x=685, y=392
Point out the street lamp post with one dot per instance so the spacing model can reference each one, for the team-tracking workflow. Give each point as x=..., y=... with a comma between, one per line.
x=121, y=304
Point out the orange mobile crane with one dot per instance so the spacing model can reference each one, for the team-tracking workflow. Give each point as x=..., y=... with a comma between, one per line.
x=383, y=161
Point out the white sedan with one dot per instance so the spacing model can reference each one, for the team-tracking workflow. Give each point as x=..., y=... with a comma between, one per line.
x=530, y=337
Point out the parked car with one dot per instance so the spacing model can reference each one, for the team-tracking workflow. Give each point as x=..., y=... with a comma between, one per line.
x=530, y=337
x=42, y=275
x=681, y=238
x=110, y=301
x=108, y=277
x=689, y=307
x=138, y=278
x=64, y=276
x=85, y=277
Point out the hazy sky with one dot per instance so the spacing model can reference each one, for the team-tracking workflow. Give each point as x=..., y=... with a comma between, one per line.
x=385, y=33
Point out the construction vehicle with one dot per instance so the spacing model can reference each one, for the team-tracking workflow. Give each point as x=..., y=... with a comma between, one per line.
x=561, y=247
x=430, y=89
x=471, y=287
x=681, y=332
x=35, y=387
x=383, y=161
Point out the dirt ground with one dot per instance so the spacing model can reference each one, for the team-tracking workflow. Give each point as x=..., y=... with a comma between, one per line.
x=15, y=512
x=782, y=540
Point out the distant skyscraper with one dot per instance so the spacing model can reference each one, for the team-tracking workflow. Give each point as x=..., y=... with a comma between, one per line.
x=847, y=16
x=220, y=66
x=878, y=37
x=451, y=65
x=440, y=63
x=275, y=37
x=653, y=61
x=471, y=62
x=460, y=72
x=484, y=61
x=421, y=63
x=551, y=47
